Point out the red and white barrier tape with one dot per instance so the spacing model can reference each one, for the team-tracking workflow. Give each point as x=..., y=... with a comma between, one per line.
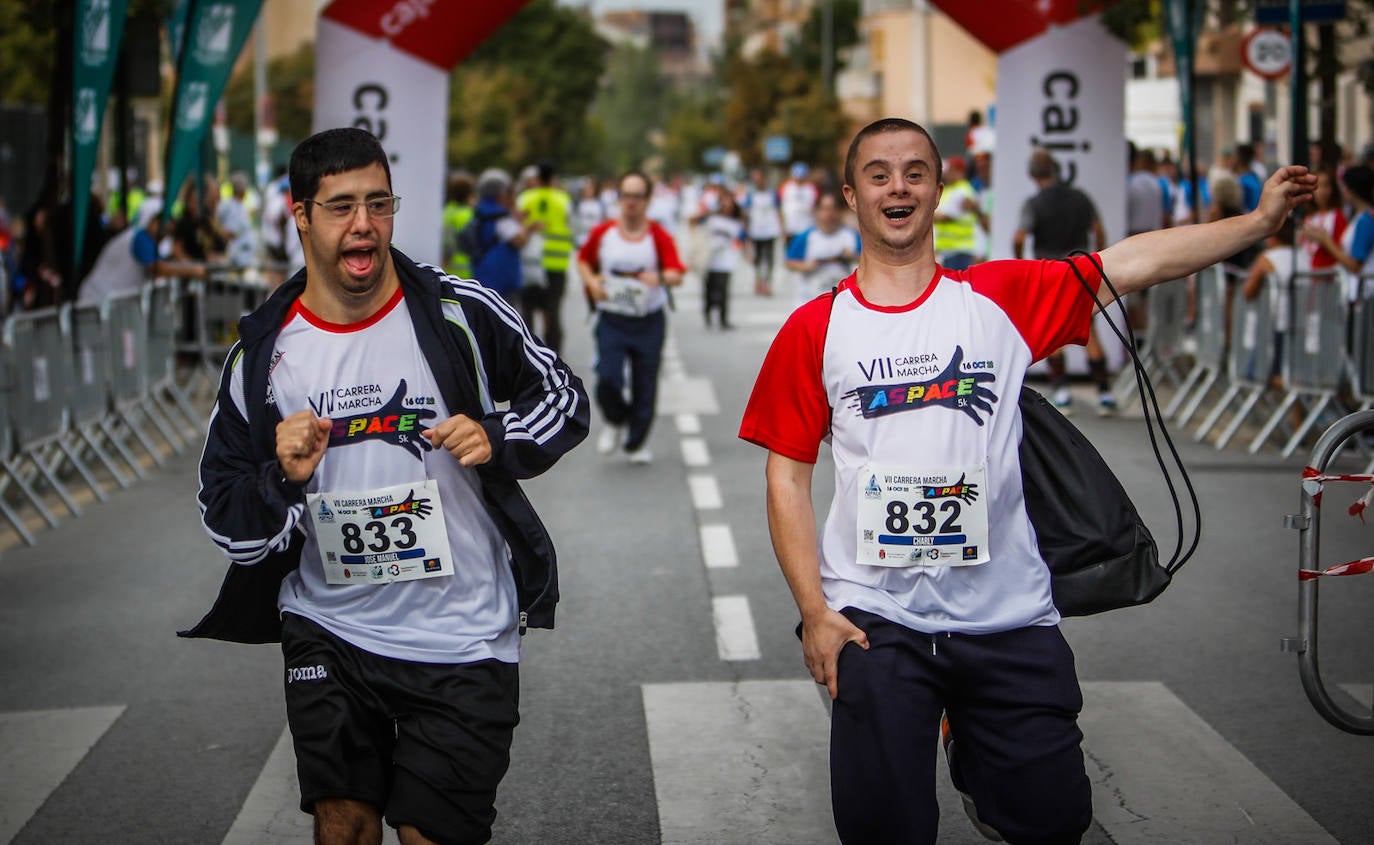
x=1312, y=482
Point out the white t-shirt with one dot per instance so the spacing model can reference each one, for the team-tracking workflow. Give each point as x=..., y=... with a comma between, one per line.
x=762, y=205
x=1280, y=284
x=371, y=379
x=232, y=217
x=926, y=387
x=798, y=200
x=724, y=235
x=828, y=250
x=586, y=215
x=622, y=258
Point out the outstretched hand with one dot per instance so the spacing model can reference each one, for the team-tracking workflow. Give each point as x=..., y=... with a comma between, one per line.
x=1288, y=188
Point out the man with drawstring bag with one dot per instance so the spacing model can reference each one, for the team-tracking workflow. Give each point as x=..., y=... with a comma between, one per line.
x=925, y=598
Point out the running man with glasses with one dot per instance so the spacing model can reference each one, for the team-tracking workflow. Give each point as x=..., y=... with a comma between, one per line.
x=627, y=266
x=364, y=486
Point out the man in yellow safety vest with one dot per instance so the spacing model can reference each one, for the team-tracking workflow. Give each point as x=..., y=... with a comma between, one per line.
x=550, y=205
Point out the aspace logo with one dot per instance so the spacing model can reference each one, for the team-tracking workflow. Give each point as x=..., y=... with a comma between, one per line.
x=953, y=387
x=392, y=423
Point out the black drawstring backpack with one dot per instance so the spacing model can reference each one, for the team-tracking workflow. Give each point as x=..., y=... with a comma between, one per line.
x=1101, y=555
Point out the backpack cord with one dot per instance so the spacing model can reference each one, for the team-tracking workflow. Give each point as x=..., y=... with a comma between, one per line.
x=1149, y=404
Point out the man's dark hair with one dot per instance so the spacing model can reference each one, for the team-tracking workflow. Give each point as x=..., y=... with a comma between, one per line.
x=1245, y=154
x=888, y=124
x=328, y=153
x=547, y=169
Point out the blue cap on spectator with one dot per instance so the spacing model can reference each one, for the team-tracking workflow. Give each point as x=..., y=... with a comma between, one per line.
x=799, y=170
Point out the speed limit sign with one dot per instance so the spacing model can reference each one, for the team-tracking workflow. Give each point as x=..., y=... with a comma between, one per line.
x=1267, y=52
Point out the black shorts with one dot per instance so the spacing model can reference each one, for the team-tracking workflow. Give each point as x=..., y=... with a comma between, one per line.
x=425, y=743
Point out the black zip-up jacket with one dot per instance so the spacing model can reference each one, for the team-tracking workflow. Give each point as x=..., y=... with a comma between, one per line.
x=481, y=355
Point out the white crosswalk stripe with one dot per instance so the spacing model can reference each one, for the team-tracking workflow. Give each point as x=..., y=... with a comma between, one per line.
x=746, y=762
x=38, y=749
x=718, y=546
x=271, y=815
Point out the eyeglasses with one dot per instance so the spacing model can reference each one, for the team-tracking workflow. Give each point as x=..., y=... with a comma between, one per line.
x=625, y=196
x=378, y=208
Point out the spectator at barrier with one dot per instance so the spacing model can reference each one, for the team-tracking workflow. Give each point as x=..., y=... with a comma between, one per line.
x=235, y=225
x=457, y=212
x=282, y=250
x=1326, y=214
x=1355, y=251
x=1247, y=171
x=193, y=233
x=958, y=218
x=131, y=258
x=46, y=252
x=1145, y=211
x=495, y=251
x=1273, y=268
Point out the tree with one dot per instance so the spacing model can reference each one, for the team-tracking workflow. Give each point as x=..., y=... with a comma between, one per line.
x=27, y=40
x=806, y=50
x=695, y=124
x=630, y=108
x=525, y=93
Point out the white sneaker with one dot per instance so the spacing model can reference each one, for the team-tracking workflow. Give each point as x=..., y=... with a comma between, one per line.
x=642, y=455
x=610, y=438
x=1063, y=400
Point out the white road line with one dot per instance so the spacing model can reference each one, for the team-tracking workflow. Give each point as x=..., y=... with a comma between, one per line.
x=695, y=453
x=705, y=492
x=683, y=394
x=688, y=424
x=271, y=814
x=38, y=749
x=735, y=637
x=1162, y=774
x=718, y=546
x=741, y=762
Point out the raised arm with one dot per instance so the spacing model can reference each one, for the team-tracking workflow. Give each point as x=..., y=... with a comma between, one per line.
x=1149, y=258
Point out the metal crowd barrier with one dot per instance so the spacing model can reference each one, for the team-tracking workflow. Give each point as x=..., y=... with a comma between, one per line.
x=1209, y=337
x=212, y=310
x=1314, y=353
x=1162, y=341
x=1307, y=522
x=126, y=323
x=6, y=450
x=41, y=357
x=1249, y=360
x=89, y=402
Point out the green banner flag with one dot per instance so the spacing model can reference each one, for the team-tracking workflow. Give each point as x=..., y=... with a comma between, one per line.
x=97, y=31
x=214, y=33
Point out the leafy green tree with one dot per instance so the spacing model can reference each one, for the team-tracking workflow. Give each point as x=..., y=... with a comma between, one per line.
x=695, y=124
x=630, y=108
x=806, y=50
x=27, y=50
x=525, y=93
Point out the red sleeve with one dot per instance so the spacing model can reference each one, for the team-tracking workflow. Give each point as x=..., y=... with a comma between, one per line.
x=788, y=411
x=1044, y=299
x=591, y=250
x=667, y=249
